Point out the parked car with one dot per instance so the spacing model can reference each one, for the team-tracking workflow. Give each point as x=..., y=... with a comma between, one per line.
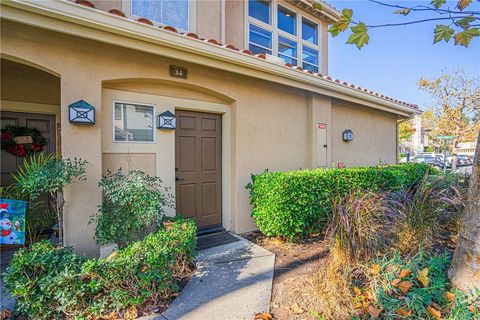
x=432, y=159
x=462, y=160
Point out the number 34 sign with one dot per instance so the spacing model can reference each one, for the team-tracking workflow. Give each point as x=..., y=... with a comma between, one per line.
x=178, y=72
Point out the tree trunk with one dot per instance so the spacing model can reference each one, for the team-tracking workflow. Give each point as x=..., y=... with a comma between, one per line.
x=464, y=272
x=57, y=203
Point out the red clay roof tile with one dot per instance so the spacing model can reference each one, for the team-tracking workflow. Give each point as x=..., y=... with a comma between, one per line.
x=85, y=3
x=145, y=21
x=117, y=12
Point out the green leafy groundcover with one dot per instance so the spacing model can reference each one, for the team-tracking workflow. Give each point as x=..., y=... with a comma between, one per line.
x=52, y=282
x=297, y=203
x=412, y=288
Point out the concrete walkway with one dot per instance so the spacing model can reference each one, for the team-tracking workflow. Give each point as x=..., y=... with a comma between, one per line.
x=232, y=281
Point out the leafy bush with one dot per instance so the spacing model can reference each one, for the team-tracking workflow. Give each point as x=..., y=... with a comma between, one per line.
x=53, y=283
x=297, y=203
x=132, y=203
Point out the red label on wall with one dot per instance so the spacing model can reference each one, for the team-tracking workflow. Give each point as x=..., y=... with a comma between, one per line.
x=322, y=126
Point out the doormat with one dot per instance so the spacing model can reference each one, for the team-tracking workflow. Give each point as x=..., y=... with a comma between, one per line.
x=215, y=240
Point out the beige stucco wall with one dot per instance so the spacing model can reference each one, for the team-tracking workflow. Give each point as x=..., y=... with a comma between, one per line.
x=374, y=135
x=235, y=23
x=265, y=125
x=31, y=84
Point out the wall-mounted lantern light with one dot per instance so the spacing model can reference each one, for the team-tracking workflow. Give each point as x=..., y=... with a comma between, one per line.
x=81, y=112
x=347, y=135
x=166, y=120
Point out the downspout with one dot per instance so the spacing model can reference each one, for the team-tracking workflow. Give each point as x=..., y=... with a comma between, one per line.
x=222, y=21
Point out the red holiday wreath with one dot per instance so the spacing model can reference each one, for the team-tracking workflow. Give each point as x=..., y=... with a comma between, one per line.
x=21, y=141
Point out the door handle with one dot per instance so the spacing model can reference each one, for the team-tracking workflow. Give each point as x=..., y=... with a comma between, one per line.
x=178, y=179
x=324, y=145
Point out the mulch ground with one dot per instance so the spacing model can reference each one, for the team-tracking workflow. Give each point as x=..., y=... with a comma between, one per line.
x=294, y=265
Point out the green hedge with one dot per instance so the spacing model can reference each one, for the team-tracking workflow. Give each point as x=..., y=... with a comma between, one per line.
x=296, y=203
x=52, y=282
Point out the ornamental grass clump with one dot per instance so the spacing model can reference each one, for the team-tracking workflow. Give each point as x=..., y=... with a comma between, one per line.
x=359, y=226
x=424, y=210
x=132, y=204
x=51, y=282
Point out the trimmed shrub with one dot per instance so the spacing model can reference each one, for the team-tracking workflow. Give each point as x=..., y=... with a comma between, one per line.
x=132, y=203
x=52, y=282
x=296, y=203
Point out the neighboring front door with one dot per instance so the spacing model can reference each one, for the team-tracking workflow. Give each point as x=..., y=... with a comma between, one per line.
x=321, y=145
x=198, y=167
x=44, y=123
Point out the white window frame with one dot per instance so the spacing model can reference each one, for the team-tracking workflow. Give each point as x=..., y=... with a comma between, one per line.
x=257, y=45
x=192, y=15
x=137, y=104
x=276, y=32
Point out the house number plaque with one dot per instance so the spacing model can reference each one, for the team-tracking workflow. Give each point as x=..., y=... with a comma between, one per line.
x=178, y=72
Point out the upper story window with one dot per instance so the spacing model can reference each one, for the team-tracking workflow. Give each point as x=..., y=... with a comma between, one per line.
x=133, y=122
x=286, y=20
x=260, y=10
x=174, y=13
x=309, y=31
x=279, y=30
x=260, y=40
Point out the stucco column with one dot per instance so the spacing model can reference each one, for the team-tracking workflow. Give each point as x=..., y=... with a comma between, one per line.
x=81, y=141
x=319, y=112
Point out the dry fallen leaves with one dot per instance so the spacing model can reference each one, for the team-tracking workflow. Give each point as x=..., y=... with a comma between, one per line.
x=403, y=312
x=422, y=276
x=5, y=314
x=112, y=256
x=405, y=272
x=396, y=282
x=131, y=313
x=111, y=316
x=374, y=312
x=404, y=286
x=263, y=316
x=434, y=312
x=375, y=269
x=450, y=296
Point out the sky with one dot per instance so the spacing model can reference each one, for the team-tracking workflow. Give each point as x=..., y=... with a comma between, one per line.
x=397, y=57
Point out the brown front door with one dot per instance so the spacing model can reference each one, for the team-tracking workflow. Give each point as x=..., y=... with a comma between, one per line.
x=198, y=167
x=44, y=123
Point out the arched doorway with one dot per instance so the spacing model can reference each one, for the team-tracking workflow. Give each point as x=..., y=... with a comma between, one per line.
x=30, y=112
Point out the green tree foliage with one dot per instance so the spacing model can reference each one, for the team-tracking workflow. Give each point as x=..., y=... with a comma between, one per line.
x=460, y=23
x=406, y=129
x=456, y=105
